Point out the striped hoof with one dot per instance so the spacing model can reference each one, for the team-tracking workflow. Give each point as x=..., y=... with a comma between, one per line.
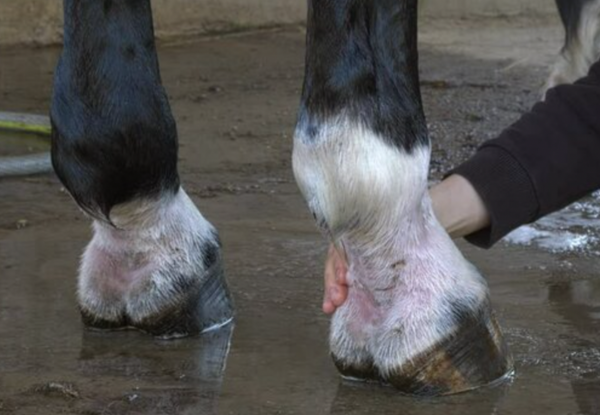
x=473, y=356
x=429, y=358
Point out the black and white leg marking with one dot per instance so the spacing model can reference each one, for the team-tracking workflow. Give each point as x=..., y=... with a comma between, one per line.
x=418, y=314
x=154, y=262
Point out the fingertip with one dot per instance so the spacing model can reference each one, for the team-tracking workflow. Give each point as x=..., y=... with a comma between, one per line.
x=330, y=279
x=328, y=307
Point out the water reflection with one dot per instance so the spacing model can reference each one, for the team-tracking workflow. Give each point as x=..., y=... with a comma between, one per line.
x=578, y=302
x=587, y=395
x=354, y=397
x=161, y=377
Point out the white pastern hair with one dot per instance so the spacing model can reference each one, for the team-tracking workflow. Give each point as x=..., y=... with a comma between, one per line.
x=582, y=52
x=153, y=239
x=405, y=269
x=348, y=170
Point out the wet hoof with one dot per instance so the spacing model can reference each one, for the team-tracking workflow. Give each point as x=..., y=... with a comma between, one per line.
x=475, y=355
x=472, y=355
x=358, y=371
x=159, y=270
x=204, y=306
x=96, y=322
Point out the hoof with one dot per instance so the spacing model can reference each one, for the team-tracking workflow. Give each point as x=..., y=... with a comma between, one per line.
x=95, y=322
x=474, y=356
x=201, y=308
x=160, y=271
x=205, y=307
x=363, y=372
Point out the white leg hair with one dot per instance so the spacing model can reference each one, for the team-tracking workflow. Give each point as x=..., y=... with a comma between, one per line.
x=582, y=51
x=405, y=272
x=137, y=267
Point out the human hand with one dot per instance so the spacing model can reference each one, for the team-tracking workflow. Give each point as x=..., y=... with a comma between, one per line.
x=458, y=208
x=336, y=285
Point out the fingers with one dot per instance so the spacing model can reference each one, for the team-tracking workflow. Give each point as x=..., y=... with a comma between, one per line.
x=340, y=291
x=328, y=305
x=336, y=288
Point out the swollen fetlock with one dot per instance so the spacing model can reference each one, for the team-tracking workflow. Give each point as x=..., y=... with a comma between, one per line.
x=425, y=327
x=361, y=157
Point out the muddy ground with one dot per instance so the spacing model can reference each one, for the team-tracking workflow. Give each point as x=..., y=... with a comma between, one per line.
x=235, y=100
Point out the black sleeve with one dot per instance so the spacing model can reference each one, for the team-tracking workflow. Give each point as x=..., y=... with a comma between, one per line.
x=545, y=161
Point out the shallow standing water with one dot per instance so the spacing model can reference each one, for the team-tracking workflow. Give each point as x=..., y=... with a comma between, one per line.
x=235, y=100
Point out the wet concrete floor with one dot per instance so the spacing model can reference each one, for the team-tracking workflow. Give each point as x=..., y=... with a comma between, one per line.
x=235, y=100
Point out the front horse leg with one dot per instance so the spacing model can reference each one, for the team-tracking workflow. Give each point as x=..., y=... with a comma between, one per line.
x=154, y=262
x=418, y=315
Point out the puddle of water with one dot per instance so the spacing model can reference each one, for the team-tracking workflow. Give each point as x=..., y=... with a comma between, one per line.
x=13, y=143
x=578, y=302
x=278, y=360
x=575, y=229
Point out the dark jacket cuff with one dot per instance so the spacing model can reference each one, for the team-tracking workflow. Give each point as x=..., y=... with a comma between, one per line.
x=506, y=190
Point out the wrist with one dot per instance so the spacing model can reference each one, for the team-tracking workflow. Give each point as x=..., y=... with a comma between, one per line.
x=458, y=207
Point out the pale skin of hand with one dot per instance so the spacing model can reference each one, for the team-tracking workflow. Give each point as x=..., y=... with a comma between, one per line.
x=457, y=207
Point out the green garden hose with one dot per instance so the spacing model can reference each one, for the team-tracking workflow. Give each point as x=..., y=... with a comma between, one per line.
x=25, y=123
x=30, y=164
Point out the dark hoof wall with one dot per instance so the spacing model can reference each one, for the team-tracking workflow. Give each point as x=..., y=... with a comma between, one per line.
x=96, y=323
x=474, y=356
x=206, y=307
x=366, y=372
x=203, y=307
